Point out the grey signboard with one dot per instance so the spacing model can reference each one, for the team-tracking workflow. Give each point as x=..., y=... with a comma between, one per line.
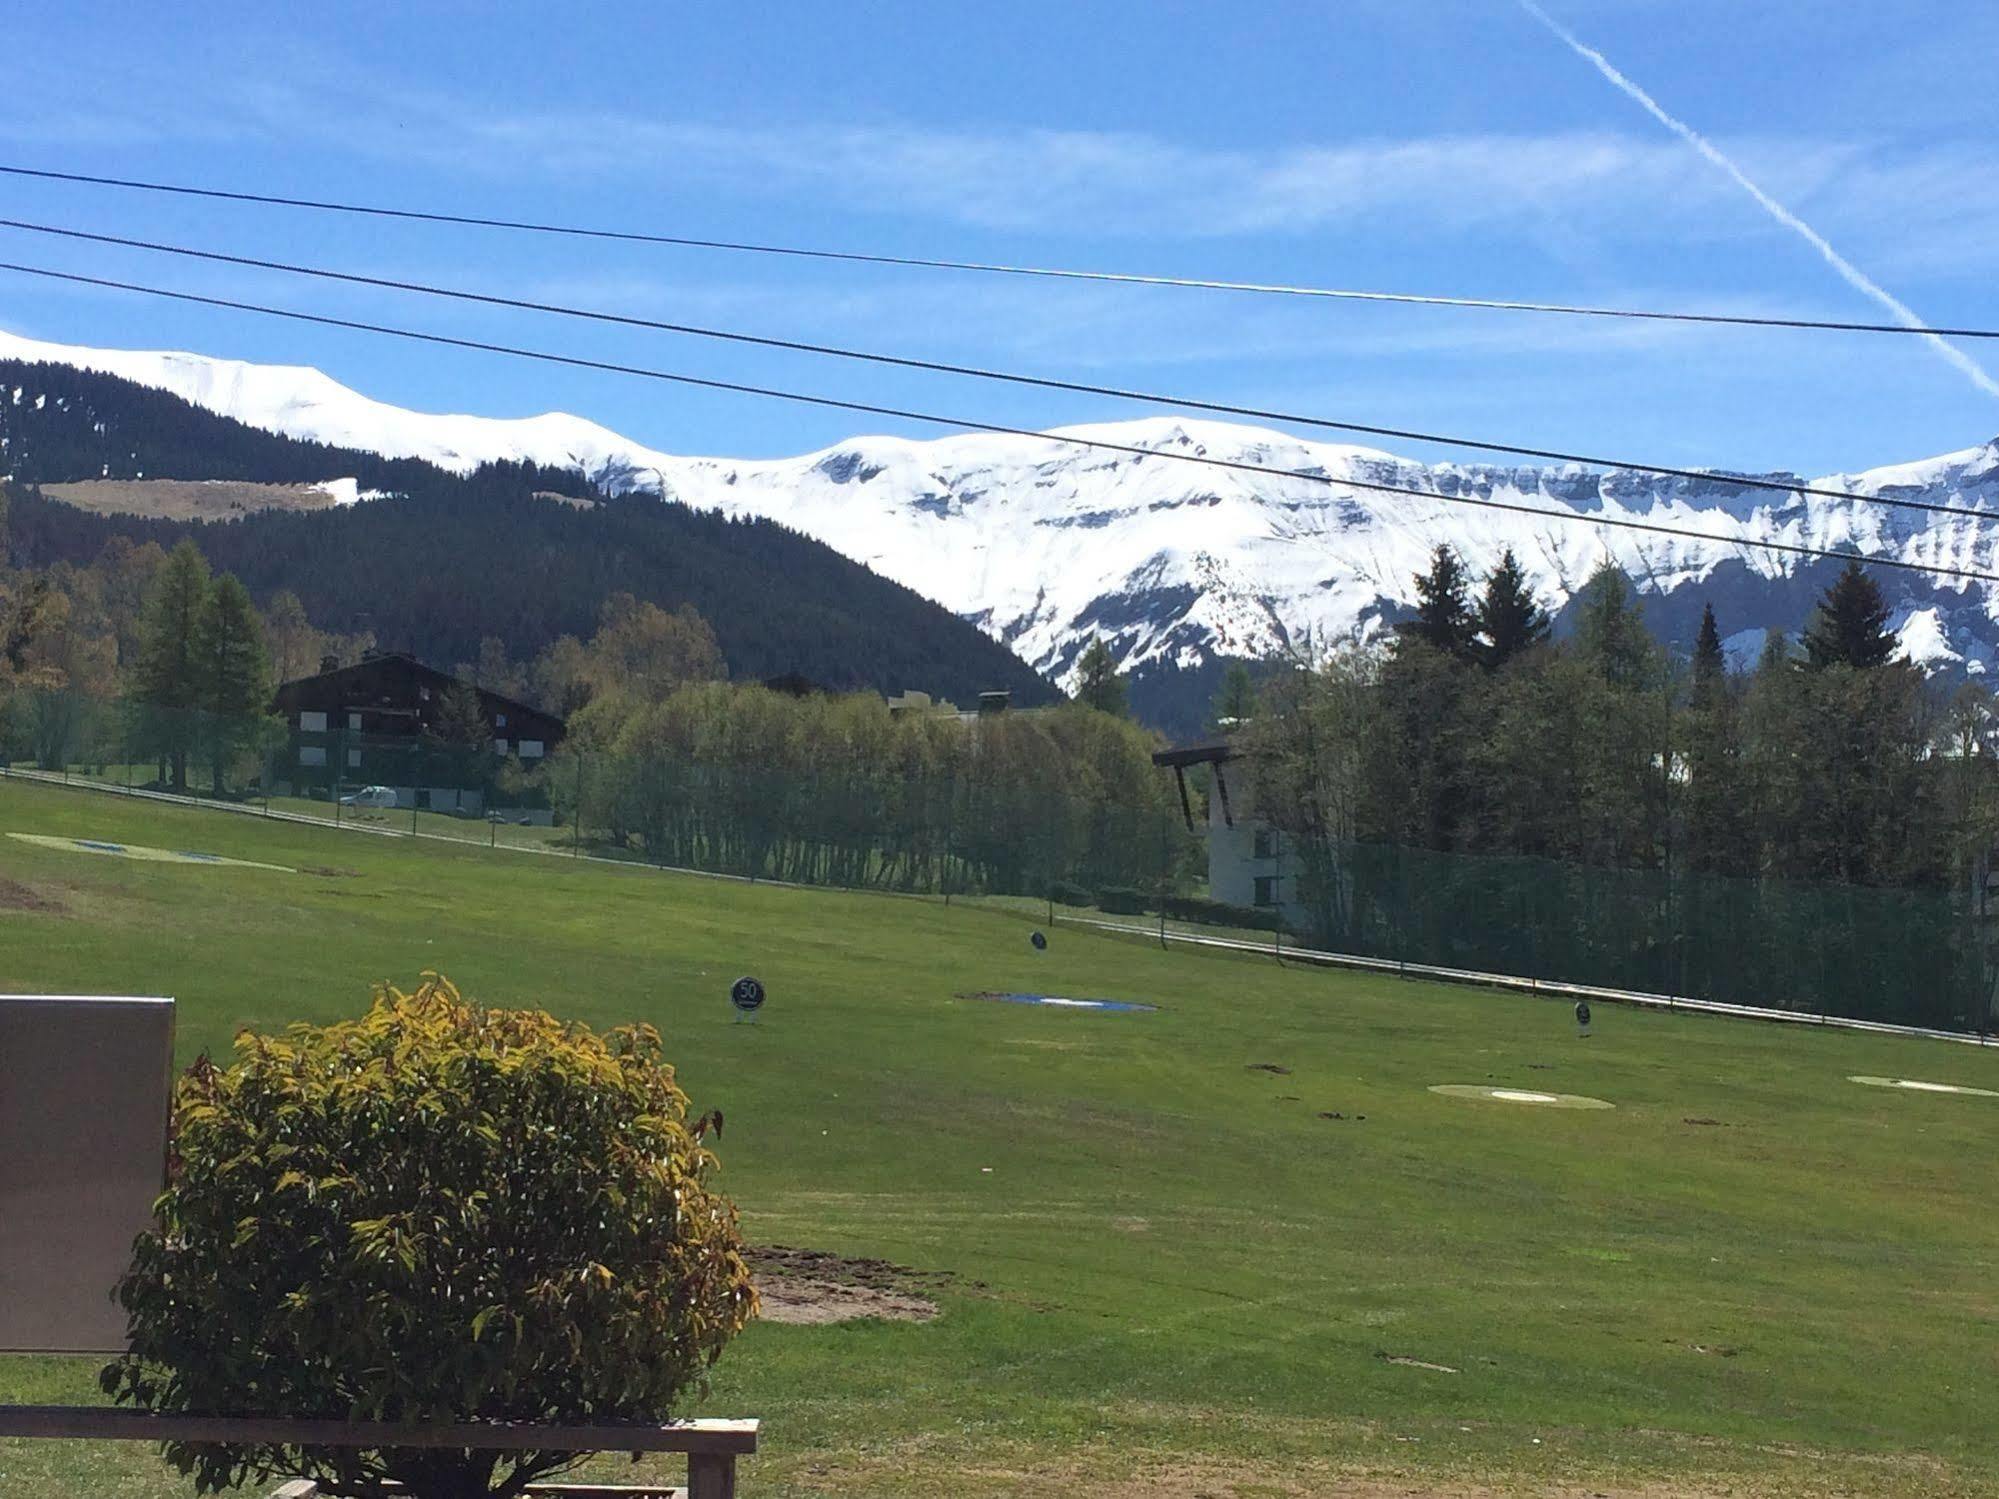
x=85, y=1085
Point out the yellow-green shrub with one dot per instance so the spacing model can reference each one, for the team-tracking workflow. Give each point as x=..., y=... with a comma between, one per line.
x=435, y=1212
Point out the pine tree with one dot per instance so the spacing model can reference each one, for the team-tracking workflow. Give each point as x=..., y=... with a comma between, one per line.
x=1710, y=664
x=1509, y=621
x=1610, y=630
x=1443, y=606
x=1235, y=704
x=234, y=673
x=1850, y=627
x=169, y=678
x=1712, y=731
x=1098, y=684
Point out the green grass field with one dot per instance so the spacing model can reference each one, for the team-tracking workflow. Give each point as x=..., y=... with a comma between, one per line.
x=1171, y=1274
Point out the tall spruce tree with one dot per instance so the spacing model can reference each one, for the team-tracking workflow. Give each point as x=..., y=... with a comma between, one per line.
x=1235, y=704
x=1710, y=664
x=1712, y=734
x=1509, y=621
x=169, y=681
x=1098, y=684
x=234, y=676
x=1444, y=619
x=1850, y=626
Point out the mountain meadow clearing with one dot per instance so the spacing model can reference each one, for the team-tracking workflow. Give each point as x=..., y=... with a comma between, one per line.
x=1233, y=1245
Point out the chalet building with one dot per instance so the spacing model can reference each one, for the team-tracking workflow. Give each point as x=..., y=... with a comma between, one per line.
x=1247, y=857
x=991, y=705
x=380, y=723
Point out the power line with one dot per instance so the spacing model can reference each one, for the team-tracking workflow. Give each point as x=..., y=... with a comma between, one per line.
x=858, y=257
x=933, y=366
x=971, y=425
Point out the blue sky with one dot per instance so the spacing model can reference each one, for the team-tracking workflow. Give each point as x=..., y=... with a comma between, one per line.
x=1424, y=145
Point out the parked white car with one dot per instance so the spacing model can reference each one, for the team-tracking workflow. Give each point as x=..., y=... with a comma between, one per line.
x=370, y=796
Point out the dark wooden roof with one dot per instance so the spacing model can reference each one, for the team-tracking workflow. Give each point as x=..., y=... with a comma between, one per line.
x=399, y=664
x=1201, y=752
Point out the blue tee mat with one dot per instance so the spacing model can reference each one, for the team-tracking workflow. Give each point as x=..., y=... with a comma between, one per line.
x=1058, y=1002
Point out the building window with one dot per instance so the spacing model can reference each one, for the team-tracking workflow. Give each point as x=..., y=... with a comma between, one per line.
x=1266, y=890
x=499, y=720
x=532, y=749
x=354, y=722
x=353, y=759
x=499, y=746
x=312, y=723
x=312, y=754
x=1266, y=843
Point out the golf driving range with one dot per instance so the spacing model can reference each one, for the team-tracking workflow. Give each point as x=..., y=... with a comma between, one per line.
x=1231, y=1228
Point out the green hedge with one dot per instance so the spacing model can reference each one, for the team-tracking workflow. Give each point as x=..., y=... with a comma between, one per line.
x=1121, y=900
x=1219, y=913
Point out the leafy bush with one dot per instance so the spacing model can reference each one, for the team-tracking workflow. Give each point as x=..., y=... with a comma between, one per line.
x=1219, y=913
x=438, y=1212
x=1121, y=900
x=1068, y=893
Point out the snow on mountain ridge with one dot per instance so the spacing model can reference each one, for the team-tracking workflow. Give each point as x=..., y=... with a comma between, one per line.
x=1046, y=543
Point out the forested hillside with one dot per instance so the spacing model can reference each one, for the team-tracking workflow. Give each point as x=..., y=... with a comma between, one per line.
x=450, y=560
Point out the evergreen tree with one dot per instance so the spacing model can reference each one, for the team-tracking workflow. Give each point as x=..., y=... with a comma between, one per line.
x=1850, y=627
x=1710, y=664
x=1610, y=630
x=1714, y=811
x=169, y=680
x=234, y=674
x=1098, y=684
x=1235, y=704
x=1443, y=607
x=1509, y=621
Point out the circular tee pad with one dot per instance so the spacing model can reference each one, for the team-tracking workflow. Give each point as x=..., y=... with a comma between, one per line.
x=1915, y=1087
x=1521, y=1095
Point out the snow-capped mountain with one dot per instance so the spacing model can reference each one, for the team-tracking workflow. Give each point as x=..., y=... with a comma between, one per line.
x=1047, y=541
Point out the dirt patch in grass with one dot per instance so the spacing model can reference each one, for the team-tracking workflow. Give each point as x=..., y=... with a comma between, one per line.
x=813, y=1286
x=15, y=896
x=328, y=872
x=1269, y=1067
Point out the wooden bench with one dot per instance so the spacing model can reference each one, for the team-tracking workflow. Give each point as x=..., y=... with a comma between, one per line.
x=712, y=1446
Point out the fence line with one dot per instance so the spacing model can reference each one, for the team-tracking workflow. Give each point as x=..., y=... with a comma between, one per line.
x=1160, y=932
x=1551, y=987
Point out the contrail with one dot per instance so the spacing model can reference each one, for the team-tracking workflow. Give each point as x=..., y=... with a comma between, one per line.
x=1855, y=277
